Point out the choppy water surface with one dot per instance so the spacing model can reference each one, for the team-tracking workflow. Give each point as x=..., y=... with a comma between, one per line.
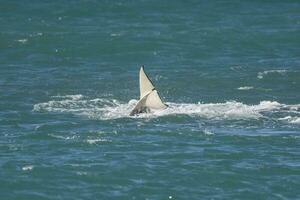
x=229, y=71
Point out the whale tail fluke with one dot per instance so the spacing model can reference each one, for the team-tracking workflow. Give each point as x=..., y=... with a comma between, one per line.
x=149, y=97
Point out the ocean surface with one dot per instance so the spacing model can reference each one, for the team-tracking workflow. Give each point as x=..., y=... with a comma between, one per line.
x=229, y=71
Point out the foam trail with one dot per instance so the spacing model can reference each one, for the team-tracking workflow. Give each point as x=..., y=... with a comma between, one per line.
x=228, y=110
x=106, y=109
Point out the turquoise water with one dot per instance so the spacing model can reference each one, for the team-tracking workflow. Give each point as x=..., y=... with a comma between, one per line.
x=229, y=71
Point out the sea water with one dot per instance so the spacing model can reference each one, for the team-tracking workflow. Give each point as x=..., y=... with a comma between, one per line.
x=229, y=71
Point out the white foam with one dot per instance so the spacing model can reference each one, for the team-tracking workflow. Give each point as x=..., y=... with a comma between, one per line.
x=115, y=34
x=36, y=34
x=261, y=75
x=81, y=173
x=106, y=109
x=208, y=132
x=245, y=88
x=93, y=141
x=63, y=137
x=228, y=110
x=28, y=168
x=290, y=119
x=23, y=41
x=72, y=97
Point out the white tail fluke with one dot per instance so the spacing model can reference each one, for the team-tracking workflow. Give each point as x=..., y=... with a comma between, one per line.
x=146, y=85
x=149, y=97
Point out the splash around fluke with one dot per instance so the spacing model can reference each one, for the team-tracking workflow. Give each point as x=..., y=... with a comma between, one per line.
x=149, y=97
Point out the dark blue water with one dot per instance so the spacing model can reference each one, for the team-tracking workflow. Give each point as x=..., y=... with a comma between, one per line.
x=229, y=71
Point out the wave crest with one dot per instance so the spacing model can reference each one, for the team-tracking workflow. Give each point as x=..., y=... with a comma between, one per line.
x=261, y=75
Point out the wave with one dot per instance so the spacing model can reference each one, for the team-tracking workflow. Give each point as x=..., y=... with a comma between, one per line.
x=208, y=132
x=290, y=119
x=63, y=137
x=261, y=75
x=245, y=88
x=27, y=168
x=107, y=109
x=23, y=41
x=94, y=141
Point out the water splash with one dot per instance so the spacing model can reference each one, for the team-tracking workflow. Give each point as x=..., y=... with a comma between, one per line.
x=107, y=109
